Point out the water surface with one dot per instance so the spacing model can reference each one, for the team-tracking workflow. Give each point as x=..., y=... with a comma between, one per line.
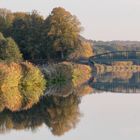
x=112, y=114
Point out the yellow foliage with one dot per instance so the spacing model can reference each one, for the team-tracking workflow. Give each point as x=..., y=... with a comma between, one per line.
x=123, y=63
x=81, y=74
x=84, y=50
x=20, y=83
x=32, y=84
x=10, y=78
x=83, y=90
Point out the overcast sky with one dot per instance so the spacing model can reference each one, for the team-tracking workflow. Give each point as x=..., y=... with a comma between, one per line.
x=101, y=19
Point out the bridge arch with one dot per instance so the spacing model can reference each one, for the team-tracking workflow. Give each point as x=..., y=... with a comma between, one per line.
x=110, y=57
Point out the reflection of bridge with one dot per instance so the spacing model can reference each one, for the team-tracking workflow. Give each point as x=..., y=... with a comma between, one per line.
x=108, y=58
x=109, y=82
x=116, y=87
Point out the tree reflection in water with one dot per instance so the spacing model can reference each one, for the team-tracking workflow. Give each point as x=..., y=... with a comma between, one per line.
x=122, y=82
x=60, y=114
x=59, y=110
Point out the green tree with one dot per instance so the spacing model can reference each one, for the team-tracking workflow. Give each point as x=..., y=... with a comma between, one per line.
x=9, y=50
x=61, y=33
x=26, y=30
x=6, y=19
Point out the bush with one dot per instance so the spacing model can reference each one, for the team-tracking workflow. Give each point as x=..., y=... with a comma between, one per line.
x=58, y=73
x=10, y=78
x=21, y=85
x=59, y=79
x=81, y=74
x=63, y=78
x=9, y=50
x=32, y=84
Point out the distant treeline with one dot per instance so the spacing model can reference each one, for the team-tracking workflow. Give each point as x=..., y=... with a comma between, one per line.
x=110, y=46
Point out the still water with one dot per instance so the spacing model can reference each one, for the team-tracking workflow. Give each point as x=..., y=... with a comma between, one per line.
x=110, y=115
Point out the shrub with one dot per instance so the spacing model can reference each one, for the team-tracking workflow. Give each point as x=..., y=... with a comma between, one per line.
x=32, y=84
x=9, y=50
x=63, y=78
x=21, y=85
x=58, y=73
x=9, y=80
x=59, y=79
x=81, y=74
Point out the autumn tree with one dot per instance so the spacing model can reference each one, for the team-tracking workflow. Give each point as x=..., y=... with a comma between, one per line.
x=61, y=32
x=55, y=37
x=84, y=50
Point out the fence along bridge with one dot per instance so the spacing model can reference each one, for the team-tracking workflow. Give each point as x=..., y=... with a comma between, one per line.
x=110, y=57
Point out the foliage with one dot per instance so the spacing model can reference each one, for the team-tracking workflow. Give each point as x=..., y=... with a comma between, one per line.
x=6, y=19
x=38, y=38
x=83, y=51
x=32, y=84
x=81, y=74
x=61, y=32
x=21, y=85
x=58, y=73
x=63, y=113
x=67, y=71
x=9, y=81
x=110, y=46
x=9, y=50
x=58, y=113
x=59, y=79
x=26, y=30
x=83, y=90
x=65, y=77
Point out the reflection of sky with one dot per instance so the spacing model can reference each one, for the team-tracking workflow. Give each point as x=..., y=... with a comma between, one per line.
x=106, y=117
x=102, y=19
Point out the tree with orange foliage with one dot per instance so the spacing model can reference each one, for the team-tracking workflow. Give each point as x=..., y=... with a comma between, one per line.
x=61, y=32
x=83, y=51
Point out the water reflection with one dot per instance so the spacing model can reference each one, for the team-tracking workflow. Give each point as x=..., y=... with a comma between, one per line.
x=59, y=109
x=120, y=81
x=60, y=114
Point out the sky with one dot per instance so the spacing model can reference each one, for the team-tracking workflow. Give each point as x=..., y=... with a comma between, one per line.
x=102, y=19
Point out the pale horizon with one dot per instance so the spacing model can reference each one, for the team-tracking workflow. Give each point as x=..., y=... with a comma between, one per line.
x=103, y=20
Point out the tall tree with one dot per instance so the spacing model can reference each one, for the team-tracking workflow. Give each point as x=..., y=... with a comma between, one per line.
x=6, y=18
x=26, y=30
x=61, y=32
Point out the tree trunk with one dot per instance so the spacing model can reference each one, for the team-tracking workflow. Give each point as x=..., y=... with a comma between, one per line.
x=62, y=55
